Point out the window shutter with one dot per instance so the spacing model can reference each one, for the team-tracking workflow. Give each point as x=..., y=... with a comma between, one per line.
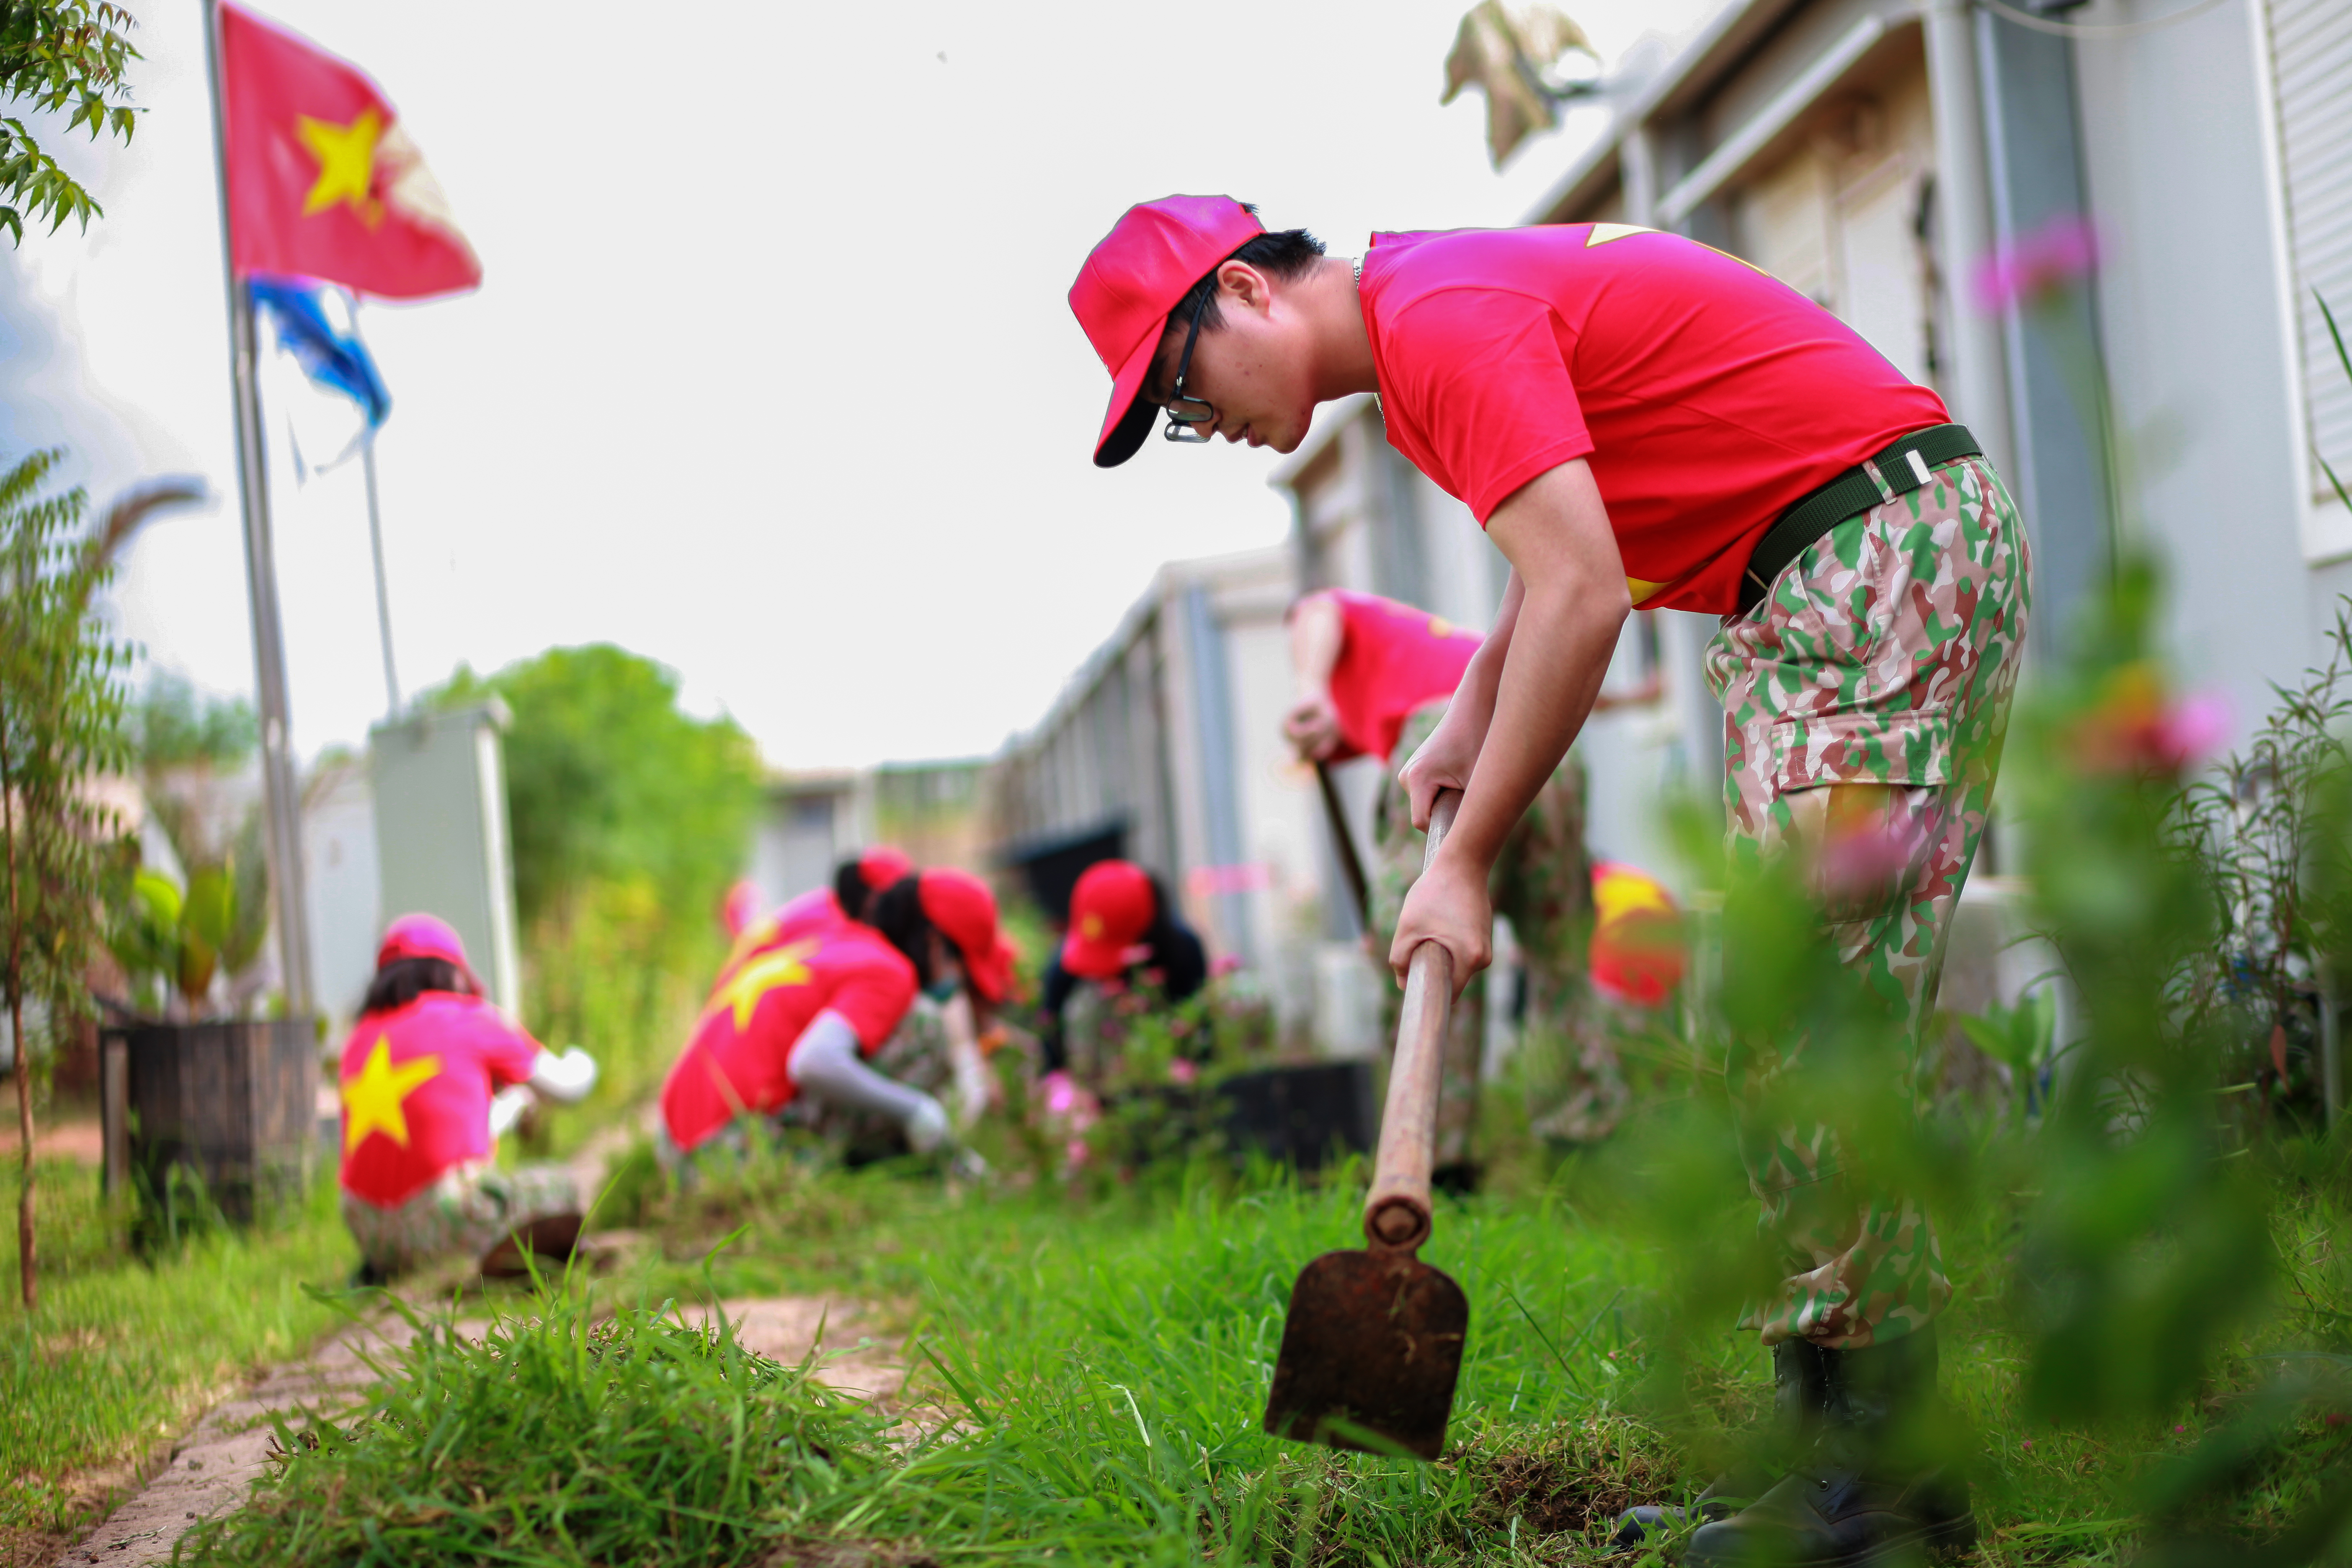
x=2311, y=59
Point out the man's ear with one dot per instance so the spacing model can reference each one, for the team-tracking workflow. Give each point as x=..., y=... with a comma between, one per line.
x=1244, y=287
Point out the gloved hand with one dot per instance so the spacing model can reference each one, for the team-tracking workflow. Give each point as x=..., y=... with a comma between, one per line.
x=506, y=1108
x=927, y=1126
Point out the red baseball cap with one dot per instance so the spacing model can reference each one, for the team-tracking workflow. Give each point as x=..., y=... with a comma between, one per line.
x=960, y=905
x=1112, y=905
x=883, y=866
x=424, y=936
x=1130, y=282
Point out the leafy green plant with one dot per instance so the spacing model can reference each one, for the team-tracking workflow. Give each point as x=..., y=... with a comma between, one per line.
x=173, y=943
x=2023, y=1038
x=60, y=724
x=59, y=56
x=173, y=940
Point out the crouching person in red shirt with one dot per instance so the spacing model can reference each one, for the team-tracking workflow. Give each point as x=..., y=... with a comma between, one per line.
x=422, y=1076
x=806, y=1014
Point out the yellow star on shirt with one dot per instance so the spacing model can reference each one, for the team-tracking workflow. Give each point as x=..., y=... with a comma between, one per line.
x=346, y=155
x=372, y=1099
x=785, y=966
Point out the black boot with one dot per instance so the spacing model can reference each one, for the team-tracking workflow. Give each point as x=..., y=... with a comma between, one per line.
x=1869, y=1487
x=1800, y=1394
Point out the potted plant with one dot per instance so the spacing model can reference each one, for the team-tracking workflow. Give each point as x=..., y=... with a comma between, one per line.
x=210, y=1088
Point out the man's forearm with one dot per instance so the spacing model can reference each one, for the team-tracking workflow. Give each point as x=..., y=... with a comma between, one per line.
x=1559, y=653
x=1318, y=632
x=1482, y=677
x=1557, y=631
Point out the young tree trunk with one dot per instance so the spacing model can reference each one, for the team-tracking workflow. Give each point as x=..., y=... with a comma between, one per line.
x=27, y=1277
x=25, y=1259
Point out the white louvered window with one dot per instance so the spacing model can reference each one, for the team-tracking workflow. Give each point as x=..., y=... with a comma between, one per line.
x=2311, y=59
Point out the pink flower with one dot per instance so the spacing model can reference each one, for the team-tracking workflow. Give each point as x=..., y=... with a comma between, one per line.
x=1862, y=858
x=1182, y=1071
x=1225, y=965
x=2037, y=264
x=1077, y=1153
x=1062, y=1093
x=2137, y=727
x=2028, y=1444
x=2196, y=728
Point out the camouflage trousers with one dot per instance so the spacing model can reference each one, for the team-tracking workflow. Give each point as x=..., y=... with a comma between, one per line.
x=467, y=1210
x=1871, y=687
x=1543, y=885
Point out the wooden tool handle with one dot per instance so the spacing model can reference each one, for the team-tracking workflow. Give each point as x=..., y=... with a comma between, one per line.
x=1396, y=1215
x=1343, y=843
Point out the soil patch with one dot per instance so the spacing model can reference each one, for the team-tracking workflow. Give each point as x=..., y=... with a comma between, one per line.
x=83, y=1141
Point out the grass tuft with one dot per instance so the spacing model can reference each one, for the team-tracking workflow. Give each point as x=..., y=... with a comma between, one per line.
x=562, y=1437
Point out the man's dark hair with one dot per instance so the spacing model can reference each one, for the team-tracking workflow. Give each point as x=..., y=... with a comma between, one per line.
x=897, y=911
x=1284, y=253
x=850, y=888
x=404, y=980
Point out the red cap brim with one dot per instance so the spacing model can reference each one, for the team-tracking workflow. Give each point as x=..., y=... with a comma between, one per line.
x=992, y=975
x=1128, y=420
x=1100, y=959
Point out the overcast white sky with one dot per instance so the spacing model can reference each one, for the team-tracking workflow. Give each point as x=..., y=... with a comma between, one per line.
x=770, y=377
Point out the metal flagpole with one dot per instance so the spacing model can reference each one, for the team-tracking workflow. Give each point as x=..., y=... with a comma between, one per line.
x=280, y=786
x=383, y=595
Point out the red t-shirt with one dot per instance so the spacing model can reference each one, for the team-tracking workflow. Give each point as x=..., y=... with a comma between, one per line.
x=1707, y=395
x=1393, y=659
x=813, y=911
x=736, y=1059
x=416, y=1087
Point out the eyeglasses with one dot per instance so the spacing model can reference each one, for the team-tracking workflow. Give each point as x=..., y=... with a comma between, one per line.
x=1186, y=414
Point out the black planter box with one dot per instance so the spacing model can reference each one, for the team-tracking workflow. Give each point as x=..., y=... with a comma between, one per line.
x=1306, y=1116
x=234, y=1102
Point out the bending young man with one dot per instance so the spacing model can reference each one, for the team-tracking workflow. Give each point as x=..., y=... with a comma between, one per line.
x=1635, y=418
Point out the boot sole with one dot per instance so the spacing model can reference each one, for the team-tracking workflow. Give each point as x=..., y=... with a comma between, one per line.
x=1930, y=1541
x=1935, y=1540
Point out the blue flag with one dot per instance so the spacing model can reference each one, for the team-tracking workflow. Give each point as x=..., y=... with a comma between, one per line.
x=315, y=325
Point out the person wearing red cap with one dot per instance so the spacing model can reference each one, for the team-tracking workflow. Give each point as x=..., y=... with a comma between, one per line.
x=1124, y=933
x=806, y=1015
x=943, y=1045
x=431, y=1074
x=1636, y=418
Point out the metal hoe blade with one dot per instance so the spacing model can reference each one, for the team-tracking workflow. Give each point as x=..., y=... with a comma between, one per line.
x=1372, y=1344
x=1369, y=1354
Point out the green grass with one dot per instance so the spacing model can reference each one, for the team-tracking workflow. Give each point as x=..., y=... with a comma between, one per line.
x=124, y=1354
x=1100, y=1357
x=1103, y=1358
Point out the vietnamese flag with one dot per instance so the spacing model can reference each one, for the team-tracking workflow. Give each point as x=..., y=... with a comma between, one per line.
x=323, y=182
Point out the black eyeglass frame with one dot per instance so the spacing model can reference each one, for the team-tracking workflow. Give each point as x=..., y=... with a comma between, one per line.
x=1180, y=421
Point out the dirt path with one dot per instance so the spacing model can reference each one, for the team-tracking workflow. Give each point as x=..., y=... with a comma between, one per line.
x=215, y=1468
x=78, y=1141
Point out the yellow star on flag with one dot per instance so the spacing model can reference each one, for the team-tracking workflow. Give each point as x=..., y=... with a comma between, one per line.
x=346, y=155
x=371, y=1099
x=768, y=971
